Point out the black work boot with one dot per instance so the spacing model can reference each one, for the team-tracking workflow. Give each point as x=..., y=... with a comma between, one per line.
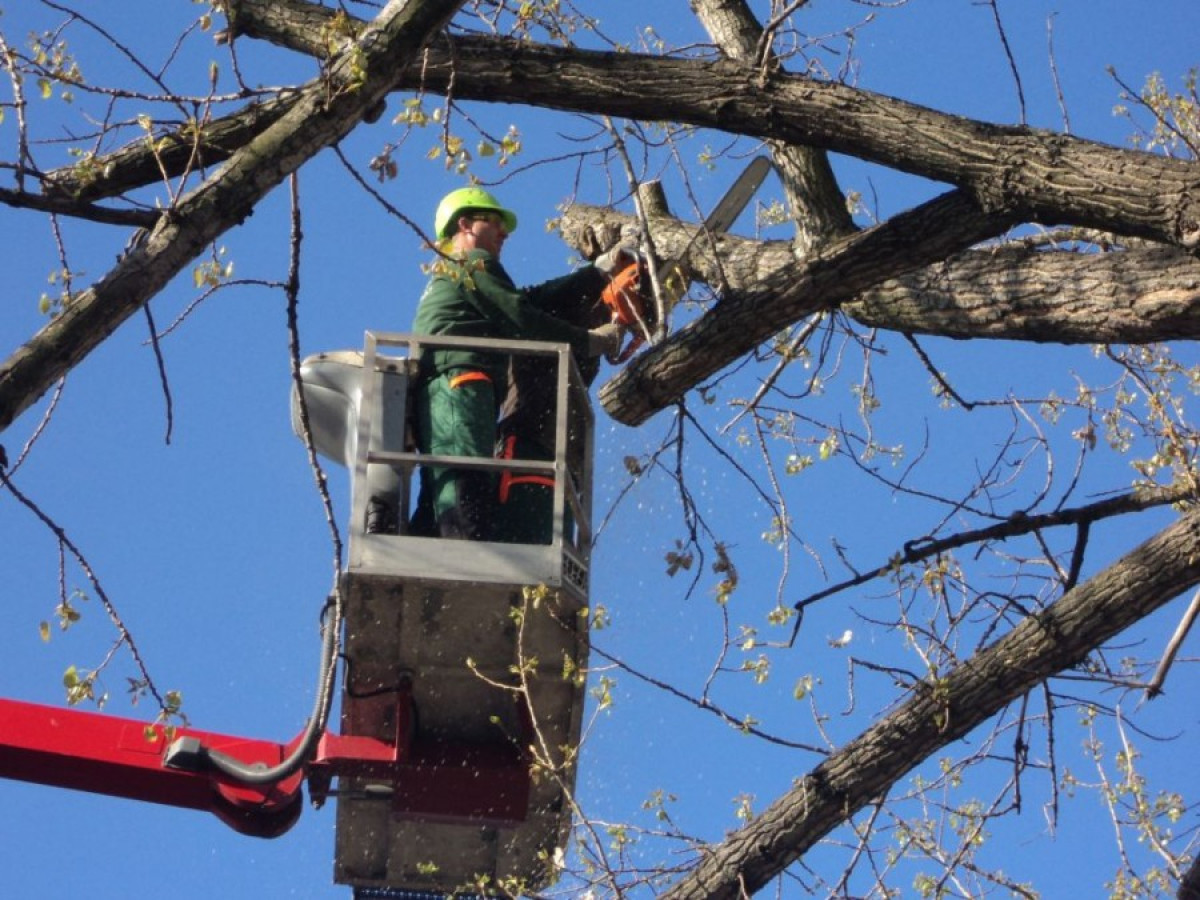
x=381, y=517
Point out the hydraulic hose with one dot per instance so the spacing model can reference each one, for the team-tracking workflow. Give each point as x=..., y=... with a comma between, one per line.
x=260, y=774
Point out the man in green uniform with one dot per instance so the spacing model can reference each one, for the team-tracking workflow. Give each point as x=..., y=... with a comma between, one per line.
x=459, y=391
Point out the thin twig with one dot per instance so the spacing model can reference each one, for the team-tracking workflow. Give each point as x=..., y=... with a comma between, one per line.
x=1014, y=526
x=292, y=290
x=1154, y=688
x=1008, y=54
x=786, y=357
x=705, y=705
x=933, y=370
x=162, y=371
x=1058, y=91
x=7, y=58
x=66, y=543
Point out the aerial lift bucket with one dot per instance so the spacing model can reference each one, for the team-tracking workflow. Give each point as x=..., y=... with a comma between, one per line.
x=466, y=656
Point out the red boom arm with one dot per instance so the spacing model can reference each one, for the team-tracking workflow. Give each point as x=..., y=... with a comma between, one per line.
x=124, y=758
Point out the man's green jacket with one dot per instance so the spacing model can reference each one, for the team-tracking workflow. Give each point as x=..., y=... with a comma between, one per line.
x=475, y=297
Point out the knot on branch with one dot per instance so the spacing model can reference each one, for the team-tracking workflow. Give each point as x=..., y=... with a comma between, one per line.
x=1003, y=191
x=1189, y=234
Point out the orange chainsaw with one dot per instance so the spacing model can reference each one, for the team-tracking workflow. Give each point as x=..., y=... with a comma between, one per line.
x=628, y=294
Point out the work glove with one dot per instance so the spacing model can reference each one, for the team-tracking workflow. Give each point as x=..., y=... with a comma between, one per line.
x=606, y=340
x=614, y=260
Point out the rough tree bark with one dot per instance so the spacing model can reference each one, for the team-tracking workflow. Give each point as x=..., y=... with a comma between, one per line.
x=1042, y=176
x=919, y=286
x=1012, y=291
x=134, y=166
x=1015, y=174
x=916, y=238
x=944, y=711
x=1039, y=175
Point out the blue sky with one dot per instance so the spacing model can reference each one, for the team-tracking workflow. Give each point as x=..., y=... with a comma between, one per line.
x=216, y=554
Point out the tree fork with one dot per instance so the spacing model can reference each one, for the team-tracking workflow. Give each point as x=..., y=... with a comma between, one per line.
x=1138, y=294
x=193, y=147
x=817, y=206
x=1141, y=294
x=743, y=320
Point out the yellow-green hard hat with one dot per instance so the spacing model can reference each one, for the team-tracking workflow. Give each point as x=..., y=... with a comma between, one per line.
x=455, y=203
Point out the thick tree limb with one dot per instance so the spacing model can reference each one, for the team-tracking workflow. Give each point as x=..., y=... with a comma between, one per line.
x=1140, y=294
x=295, y=24
x=81, y=210
x=135, y=165
x=1031, y=174
x=1015, y=292
x=744, y=319
x=942, y=712
x=325, y=110
x=1132, y=296
x=1019, y=173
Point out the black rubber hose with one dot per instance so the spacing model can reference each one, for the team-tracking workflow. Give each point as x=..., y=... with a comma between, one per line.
x=258, y=774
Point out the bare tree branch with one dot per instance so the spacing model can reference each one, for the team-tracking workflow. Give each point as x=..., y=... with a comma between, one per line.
x=944, y=711
x=1014, y=292
x=1021, y=173
x=1154, y=688
x=817, y=205
x=325, y=110
x=136, y=165
x=1015, y=526
x=294, y=24
x=743, y=319
x=64, y=206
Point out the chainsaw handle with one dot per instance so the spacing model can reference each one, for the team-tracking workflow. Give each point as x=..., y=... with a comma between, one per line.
x=623, y=294
x=624, y=355
x=629, y=306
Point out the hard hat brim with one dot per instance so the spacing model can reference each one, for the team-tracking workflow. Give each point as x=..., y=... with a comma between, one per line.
x=466, y=200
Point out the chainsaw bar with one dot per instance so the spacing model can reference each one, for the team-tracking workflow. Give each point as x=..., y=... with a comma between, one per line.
x=736, y=199
x=670, y=274
x=626, y=296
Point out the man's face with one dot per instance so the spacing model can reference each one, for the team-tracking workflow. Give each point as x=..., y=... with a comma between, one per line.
x=487, y=231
